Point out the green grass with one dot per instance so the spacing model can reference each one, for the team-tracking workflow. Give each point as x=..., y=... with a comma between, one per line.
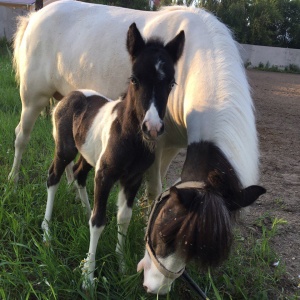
x=29, y=269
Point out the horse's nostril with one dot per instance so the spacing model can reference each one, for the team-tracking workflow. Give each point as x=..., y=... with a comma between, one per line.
x=145, y=288
x=144, y=127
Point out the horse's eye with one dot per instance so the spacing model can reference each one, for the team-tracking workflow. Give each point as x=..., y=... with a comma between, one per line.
x=172, y=84
x=133, y=80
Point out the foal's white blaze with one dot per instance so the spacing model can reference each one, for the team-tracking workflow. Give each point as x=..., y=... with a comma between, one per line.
x=152, y=121
x=154, y=281
x=160, y=71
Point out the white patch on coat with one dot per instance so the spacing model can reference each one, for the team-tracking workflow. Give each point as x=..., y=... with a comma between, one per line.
x=99, y=133
x=89, y=93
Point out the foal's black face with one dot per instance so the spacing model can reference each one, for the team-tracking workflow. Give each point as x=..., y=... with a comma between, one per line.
x=152, y=78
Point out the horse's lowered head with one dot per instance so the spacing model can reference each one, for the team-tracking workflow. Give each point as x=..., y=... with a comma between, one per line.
x=152, y=78
x=192, y=220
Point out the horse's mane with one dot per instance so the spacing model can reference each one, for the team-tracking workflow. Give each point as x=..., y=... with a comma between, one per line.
x=228, y=117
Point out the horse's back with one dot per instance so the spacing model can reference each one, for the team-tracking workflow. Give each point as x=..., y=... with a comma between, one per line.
x=83, y=45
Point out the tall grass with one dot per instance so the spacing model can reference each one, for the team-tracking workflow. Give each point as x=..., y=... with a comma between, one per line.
x=30, y=269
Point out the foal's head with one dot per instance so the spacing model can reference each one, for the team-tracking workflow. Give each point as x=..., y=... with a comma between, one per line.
x=152, y=78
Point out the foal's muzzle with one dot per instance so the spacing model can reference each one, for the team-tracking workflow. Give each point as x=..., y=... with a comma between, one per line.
x=151, y=133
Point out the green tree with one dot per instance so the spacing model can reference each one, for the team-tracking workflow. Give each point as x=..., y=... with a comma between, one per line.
x=288, y=27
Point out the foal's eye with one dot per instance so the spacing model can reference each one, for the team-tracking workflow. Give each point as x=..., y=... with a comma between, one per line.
x=172, y=84
x=133, y=80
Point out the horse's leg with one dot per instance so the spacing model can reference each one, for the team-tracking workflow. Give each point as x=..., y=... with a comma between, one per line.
x=153, y=177
x=65, y=153
x=127, y=193
x=81, y=170
x=104, y=181
x=168, y=155
x=28, y=117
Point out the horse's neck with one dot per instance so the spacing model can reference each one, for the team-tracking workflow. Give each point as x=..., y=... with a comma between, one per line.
x=206, y=162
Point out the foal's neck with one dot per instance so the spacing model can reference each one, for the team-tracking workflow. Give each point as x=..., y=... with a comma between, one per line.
x=128, y=116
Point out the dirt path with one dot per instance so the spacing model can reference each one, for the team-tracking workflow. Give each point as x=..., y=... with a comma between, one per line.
x=277, y=101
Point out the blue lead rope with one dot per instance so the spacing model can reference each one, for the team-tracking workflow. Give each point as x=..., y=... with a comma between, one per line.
x=186, y=277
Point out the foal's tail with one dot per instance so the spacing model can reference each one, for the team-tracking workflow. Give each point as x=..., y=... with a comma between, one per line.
x=22, y=22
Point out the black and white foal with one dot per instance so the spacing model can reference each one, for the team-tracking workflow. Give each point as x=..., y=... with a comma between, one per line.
x=116, y=137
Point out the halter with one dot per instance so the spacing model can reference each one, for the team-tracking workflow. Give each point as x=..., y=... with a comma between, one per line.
x=167, y=273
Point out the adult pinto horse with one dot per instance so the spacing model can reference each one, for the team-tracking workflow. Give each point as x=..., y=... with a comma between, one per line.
x=72, y=45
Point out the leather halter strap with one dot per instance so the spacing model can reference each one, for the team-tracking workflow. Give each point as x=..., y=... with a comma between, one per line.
x=180, y=185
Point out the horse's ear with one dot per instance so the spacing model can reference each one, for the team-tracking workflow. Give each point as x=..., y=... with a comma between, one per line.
x=184, y=196
x=248, y=196
x=135, y=42
x=175, y=46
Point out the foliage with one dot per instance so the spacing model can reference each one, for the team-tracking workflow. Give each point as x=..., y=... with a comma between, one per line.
x=291, y=68
x=260, y=22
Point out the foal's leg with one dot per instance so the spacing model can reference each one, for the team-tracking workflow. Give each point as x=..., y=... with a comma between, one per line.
x=104, y=181
x=81, y=170
x=28, y=117
x=127, y=193
x=62, y=158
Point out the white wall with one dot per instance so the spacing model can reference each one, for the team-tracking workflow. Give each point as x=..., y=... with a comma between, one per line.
x=280, y=57
x=8, y=20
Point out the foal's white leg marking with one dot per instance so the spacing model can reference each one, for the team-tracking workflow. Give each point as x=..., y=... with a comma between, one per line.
x=51, y=191
x=123, y=219
x=90, y=262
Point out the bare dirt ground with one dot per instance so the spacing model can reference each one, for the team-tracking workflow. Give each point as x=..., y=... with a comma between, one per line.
x=277, y=101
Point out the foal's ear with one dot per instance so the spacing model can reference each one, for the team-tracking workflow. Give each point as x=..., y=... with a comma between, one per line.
x=135, y=42
x=175, y=46
x=248, y=196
